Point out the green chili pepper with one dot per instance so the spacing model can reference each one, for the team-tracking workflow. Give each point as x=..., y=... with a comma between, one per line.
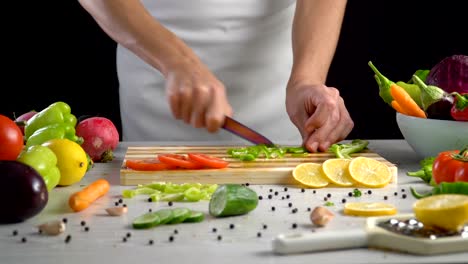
x=56, y=113
x=444, y=188
x=44, y=160
x=384, y=86
x=57, y=130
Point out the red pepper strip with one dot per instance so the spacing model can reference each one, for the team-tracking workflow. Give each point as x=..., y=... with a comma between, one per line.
x=148, y=165
x=459, y=110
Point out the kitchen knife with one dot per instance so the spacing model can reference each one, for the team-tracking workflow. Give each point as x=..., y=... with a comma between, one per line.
x=245, y=132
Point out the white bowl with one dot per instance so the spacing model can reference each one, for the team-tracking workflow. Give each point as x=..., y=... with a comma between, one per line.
x=429, y=137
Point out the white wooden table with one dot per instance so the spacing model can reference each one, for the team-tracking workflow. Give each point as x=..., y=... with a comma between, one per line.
x=197, y=243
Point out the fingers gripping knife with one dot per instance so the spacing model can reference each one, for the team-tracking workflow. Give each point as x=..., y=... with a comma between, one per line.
x=401, y=233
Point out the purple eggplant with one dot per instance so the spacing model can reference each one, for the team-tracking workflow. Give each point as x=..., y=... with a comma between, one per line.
x=24, y=192
x=441, y=108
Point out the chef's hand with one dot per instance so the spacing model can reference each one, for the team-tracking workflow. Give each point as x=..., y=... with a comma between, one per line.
x=319, y=113
x=196, y=96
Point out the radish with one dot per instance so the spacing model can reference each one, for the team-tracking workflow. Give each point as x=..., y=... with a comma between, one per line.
x=22, y=119
x=100, y=138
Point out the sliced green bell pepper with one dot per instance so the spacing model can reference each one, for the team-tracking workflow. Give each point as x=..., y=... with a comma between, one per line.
x=53, y=131
x=44, y=161
x=56, y=113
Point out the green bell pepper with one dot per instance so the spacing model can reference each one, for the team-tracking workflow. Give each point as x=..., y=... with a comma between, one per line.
x=57, y=130
x=56, y=113
x=44, y=161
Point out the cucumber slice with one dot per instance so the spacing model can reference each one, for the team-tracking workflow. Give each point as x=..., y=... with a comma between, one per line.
x=172, y=197
x=147, y=220
x=165, y=215
x=179, y=215
x=232, y=199
x=195, y=217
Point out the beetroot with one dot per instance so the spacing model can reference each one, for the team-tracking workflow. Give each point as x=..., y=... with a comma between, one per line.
x=100, y=138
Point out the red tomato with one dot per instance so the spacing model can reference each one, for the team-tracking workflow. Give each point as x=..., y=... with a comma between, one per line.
x=148, y=165
x=450, y=166
x=11, y=139
x=208, y=161
x=179, y=161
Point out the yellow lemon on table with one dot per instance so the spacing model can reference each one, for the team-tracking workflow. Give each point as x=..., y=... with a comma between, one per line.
x=369, y=209
x=71, y=160
x=336, y=170
x=369, y=172
x=310, y=174
x=446, y=211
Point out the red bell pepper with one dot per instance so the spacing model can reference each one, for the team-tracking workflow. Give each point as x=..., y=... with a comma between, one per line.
x=451, y=166
x=459, y=109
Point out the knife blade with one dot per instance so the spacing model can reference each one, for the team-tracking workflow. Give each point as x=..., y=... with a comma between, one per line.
x=245, y=132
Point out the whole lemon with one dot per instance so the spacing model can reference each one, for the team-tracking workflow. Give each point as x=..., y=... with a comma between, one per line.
x=71, y=160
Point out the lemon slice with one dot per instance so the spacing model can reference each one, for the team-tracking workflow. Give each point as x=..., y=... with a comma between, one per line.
x=446, y=211
x=369, y=209
x=310, y=174
x=369, y=172
x=336, y=170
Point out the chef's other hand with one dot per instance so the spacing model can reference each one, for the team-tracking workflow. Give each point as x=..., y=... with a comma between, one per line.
x=319, y=113
x=196, y=96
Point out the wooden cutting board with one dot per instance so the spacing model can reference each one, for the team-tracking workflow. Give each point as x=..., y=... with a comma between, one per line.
x=260, y=171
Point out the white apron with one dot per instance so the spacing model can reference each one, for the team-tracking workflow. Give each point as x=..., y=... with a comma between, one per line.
x=245, y=43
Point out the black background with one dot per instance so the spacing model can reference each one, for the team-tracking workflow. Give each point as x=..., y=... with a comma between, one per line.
x=54, y=50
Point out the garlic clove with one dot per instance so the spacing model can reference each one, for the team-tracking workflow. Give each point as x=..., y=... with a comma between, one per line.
x=52, y=228
x=116, y=211
x=320, y=216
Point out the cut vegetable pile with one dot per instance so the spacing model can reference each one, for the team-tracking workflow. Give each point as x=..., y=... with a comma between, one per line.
x=166, y=191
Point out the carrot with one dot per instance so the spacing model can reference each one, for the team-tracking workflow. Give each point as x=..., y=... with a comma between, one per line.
x=397, y=107
x=404, y=100
x=84, y=198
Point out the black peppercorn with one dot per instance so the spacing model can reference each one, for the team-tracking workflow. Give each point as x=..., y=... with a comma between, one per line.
x=231, y=226
x=151, y=242
x=23, y=240
x=120, y=200
x=350, y=194
x=282, y=197
x=285, y=189
x=302, y=190
x=220, y=237
x=150, y=210
x=171, y=238
x=294, y=225
x=124, y=239
x=290, y=204
x=287, y=196
x=395, y=193
x=308, y=209
x=259, y=234
x=276, y=193
x=116, y=204
x=176, y=231
x=369, y=192
x=328, y=195
x=385, y=197
x=294, y=210
x=314, y=191
x=15, y=232
x=169, y=203
x=124, y=205
x=260, y=197
x=265, y=226
x=343, y=200
x=214, y=230
x=270, y=196
x=86, y=229
x=325, y=199
x=65, y=220
x=403, y=196
x=247, y=184
x=273, y=208
x=67, y=239
x=128, y=234
x=83, y=223
x=402, y=190
x=150, y=200
x=271, y=190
